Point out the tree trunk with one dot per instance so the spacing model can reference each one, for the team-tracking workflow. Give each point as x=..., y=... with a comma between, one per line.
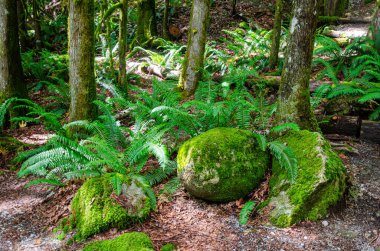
x=122, y=81
x=276, y=35
x=294, y=95
x=37, y=25
x=355, y=4
x=194, y=58
x=375, y=27
x=11, y=75
x=21, y=17
x=81, y=54
x=165, y=21
x=233, y=13
x=146, y=23
x=334, y=7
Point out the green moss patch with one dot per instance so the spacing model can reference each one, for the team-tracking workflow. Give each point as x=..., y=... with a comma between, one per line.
x=320, y=182
x=96, y=208
x=221, y=164
x=134, y=241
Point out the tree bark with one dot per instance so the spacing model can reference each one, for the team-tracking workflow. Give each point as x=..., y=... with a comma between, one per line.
x=294, y=95
x=194, y=58
x=81, y=54
x=122, y=81
x=165, y=21
x=276, y=35
x=11, y=74
x=375, y=26
x=37, y=25
x=21, y=16
x=146, y=23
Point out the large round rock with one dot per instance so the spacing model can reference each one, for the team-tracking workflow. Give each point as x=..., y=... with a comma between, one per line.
x=222, y=164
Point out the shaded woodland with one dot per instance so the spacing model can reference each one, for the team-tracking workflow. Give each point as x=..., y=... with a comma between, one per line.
x=189, y=125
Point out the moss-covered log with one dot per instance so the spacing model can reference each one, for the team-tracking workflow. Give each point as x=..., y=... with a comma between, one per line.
x=81, y=54
x=294, y=95
x=146, y=23
x=11, y=74
x=276, y=35
x=194, y=58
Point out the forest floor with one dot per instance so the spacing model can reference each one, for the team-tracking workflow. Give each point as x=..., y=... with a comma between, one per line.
x=28, y=216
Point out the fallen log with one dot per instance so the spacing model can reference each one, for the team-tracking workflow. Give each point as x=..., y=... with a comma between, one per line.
x=343, y=125
x=370, y=131
x=342, y=20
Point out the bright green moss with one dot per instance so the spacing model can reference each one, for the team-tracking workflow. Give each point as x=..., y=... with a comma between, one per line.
x=222, y=164
x=94, y=211
x=320, y=182
x=168, y=247
x=134, y=241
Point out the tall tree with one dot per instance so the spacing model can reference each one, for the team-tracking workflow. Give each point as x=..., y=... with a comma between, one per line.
x=81, y=55
x=294, y=94
x=123, y=44
x=21, y=16
x=11, y=74
x=37, y=24
x=165, y=20
x=146, y=23
x=375, y=27
x=276, y=35
x=196, y=42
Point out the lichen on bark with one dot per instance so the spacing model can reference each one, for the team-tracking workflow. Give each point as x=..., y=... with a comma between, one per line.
x=294, y=94
x=194, y=59
x=81, y=59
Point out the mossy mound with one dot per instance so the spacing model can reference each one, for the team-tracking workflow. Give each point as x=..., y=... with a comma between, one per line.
x=95, y=209
x=320, y=182
x=134, y=241
x=222, y=164
x=168, y=247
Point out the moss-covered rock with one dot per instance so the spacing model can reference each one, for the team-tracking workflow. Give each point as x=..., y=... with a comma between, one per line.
x=168, y=247
x=134, y=241
x=320, y=182
x=95, y=209
x=222, y=164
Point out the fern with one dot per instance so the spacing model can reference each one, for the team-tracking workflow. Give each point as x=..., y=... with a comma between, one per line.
x=285, y=127
x=285, y=157
x=246, y=211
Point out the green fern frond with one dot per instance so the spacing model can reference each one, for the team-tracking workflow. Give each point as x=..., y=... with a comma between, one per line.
x=345, y=90
x=246, y=211
x=370, y=97
x=261, y=140
x=285, y=127
x=285, y=157
x=43, y=181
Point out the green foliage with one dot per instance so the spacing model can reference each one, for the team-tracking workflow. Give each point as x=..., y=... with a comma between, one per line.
x=246, y=211
x=359, y=63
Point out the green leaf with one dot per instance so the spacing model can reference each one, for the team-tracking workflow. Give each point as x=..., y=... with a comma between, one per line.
x=286, y=158
x=117, y=184
x=285, y=127
x=261, y=140
x=44, y=181
x=246, y=211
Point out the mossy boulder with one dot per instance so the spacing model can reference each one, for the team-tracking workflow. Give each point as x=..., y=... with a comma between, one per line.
x=222, y=164
x=96, y=207
x=320, y=183
x=134, y=241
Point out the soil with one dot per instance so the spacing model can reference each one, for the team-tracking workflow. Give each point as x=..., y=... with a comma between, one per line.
x=28, y=216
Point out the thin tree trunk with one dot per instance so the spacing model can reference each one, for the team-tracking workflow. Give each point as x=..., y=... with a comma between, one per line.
x=194, y=58
x=276, y=35
x=21, y=16
x=122, y=80
x=165, y=21
x=294, y=94
x=37, y=25
x=146, y=23
x=375, y=27
x=81, y=54
x=11, y=75
x=233, y=13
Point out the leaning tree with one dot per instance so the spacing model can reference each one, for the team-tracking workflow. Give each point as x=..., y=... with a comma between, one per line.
x=81, y=59
x=194, y=59
x=11, y=74
x=294, y=94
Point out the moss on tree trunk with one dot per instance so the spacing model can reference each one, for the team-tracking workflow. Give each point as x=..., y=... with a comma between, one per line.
x=11, y=74
x=276, y=35
x=194, y=58
x=81, y=54
x=374, y=33
x=294, y=94
x=146, y=23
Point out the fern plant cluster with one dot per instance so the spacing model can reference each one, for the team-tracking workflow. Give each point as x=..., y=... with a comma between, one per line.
x=354, y=71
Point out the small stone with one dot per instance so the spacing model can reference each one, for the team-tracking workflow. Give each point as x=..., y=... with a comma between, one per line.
x=325, y=223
